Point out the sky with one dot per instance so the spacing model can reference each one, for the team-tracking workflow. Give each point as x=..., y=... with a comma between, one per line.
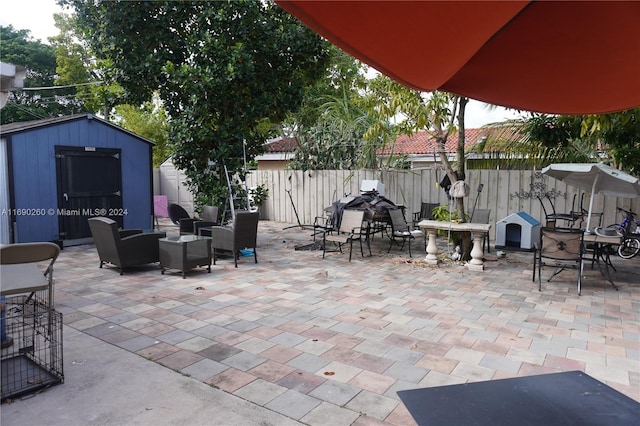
x=37, y=16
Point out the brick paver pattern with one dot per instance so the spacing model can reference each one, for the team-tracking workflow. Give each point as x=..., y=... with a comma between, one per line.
x=328, y=341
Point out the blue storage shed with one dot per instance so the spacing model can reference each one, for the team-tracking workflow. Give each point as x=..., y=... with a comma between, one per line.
x=58, y=172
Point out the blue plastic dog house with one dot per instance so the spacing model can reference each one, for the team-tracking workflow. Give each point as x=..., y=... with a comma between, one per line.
x=518, y=231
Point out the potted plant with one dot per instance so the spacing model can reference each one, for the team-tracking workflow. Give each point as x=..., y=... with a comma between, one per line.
x=443, y=214
x=259, y=196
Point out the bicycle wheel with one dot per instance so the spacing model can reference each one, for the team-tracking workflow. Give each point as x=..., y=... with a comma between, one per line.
x=629, y=248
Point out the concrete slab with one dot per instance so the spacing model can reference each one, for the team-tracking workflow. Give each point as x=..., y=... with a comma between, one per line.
x=107, y=385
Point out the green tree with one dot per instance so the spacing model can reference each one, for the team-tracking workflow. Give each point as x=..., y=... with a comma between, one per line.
x=620, y=133
x=77, y=67
x=149, y=121
x=438, y=113
x=336, y=140
x=542, y=139
x=331, y=123
x=19, y=48
x=224, y=70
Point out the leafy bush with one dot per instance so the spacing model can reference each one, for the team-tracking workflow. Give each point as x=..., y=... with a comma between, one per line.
x=443, y=214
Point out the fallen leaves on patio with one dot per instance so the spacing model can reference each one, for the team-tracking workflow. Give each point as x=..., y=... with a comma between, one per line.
x=444, y=260
x=199, y=288
x=329, y=373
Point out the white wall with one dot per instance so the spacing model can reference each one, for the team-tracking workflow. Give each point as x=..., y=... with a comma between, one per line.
x=171, y=183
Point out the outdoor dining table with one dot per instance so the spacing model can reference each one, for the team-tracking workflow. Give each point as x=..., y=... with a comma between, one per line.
x=601, y=252
x=477, y=231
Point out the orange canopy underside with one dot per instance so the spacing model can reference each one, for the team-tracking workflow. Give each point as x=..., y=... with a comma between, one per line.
x=547, y=56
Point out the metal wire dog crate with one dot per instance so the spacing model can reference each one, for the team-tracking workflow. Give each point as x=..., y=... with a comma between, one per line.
x=35, y=359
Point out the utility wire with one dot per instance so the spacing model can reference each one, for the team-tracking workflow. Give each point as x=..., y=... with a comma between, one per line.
x=28, y=111
x=26, y=89
x=54, y=99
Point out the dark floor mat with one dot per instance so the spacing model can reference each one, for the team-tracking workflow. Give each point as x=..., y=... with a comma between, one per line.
x=571, y=398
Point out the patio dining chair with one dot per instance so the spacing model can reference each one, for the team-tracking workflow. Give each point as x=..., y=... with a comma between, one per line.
x=208, y=217
x=482, y=216
x=426, y=212
x=552, y=217
x=323, y=224
x=180, y=217
x=349, y=230
x=562, y=248
x=400, y=230
x=243, y=234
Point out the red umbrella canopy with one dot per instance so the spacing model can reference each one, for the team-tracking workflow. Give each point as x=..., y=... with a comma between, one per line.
x=557, y=57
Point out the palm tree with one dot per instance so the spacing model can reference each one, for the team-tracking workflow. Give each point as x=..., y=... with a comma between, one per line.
x=542, y=139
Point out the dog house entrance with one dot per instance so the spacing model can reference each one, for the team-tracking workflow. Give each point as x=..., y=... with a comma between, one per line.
x=513, y=237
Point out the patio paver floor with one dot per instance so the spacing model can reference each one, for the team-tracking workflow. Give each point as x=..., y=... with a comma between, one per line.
x=315, y=338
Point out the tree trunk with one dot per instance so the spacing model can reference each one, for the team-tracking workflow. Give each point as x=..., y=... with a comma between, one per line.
x=465, y=245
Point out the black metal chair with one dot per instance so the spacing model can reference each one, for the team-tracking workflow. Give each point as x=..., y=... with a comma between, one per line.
x=426, y=212
x=482, y=216
x=400, y=230
x=594, y=219
x=563, y=248
x=551, y=218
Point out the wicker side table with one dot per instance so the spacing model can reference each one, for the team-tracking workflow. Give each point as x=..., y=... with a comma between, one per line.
x=185, y=252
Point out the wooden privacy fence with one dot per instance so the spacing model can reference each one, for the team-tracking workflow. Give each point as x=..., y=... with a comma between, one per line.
x=504, y=192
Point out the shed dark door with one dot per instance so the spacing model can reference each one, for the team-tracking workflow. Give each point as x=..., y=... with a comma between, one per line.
x=89, y=184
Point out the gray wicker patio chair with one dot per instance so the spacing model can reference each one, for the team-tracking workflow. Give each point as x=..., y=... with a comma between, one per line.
x=209, y=217
x=243, y=234
x=123, y=248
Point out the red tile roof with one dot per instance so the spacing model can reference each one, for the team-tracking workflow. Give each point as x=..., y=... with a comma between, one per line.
x=423, y=142
x=419, y=143
x=287, y=144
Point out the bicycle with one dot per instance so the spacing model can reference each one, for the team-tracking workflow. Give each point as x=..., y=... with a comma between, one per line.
x=629, y=230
